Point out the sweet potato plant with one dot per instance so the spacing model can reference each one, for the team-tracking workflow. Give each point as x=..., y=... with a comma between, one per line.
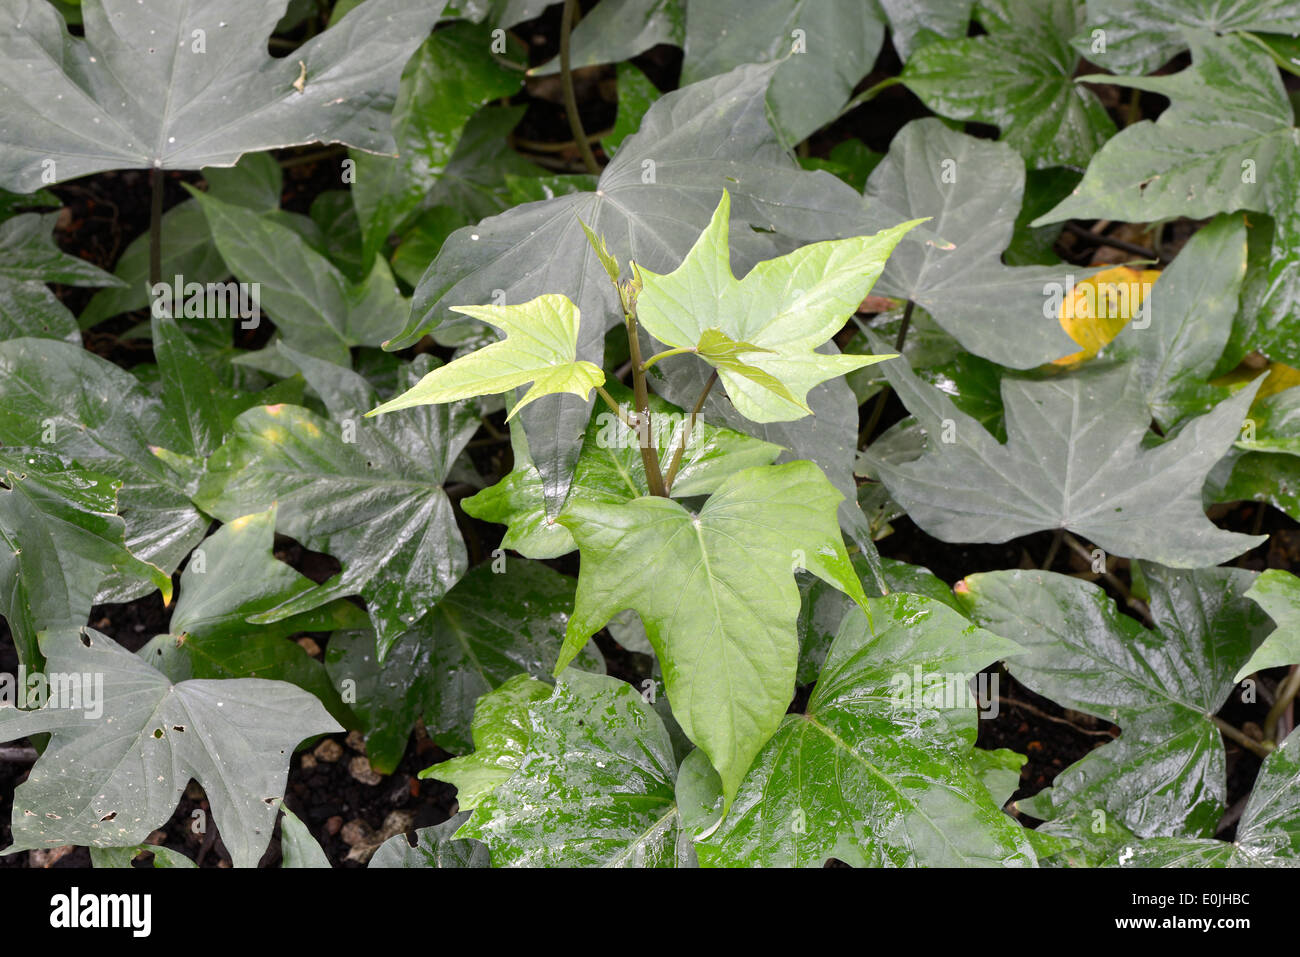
x=576, y=423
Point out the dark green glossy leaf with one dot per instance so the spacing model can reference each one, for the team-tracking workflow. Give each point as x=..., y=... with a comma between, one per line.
x=594, y=786
x=490, y=627
x=502, y=729
x=1018, y=76
x=1166, y=774
x=60, y=538
x=187, y=249
x=28, y=260
x=59, y=398
x=1227, y=108
x=315, y=307
x=823, y=608
x=231, y=577
x=1268, y=834
x=367, y=491
x=443, y=85
x=879, y=770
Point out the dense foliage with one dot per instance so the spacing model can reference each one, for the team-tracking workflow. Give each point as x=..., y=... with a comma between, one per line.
x=672, y=385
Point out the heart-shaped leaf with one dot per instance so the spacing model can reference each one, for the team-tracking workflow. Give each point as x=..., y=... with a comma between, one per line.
x=721, y=606
x=1268, y=834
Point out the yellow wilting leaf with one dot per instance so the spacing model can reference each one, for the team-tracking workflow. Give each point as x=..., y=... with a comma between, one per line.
x=1098, y=307
x=1280, y=377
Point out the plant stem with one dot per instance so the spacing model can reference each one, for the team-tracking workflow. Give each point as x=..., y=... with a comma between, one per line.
x=1138, y=606
x=18, y=755
x=1250, y=744
x=1134, y=107
x=676, y=462
x=869, y=94
x=302, y=159
x=664, y=355
x=1111, y=241
x=1281, y=61
x=618, y=409
x=882, y=397
x=155, y=227
x=570, y=98
x=548, y=146
x=1025, y=706
x=1051, y=552
x=1286, y=693
x=904, y=326
x=646, y=439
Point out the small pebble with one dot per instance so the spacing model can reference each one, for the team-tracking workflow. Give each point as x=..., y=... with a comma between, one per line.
x=328, y=750
x=359, y=767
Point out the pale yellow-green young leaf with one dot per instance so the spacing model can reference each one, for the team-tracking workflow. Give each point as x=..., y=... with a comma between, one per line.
x=540, y=346
x=787, y=307
x=601, y=248
x=722, y=352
